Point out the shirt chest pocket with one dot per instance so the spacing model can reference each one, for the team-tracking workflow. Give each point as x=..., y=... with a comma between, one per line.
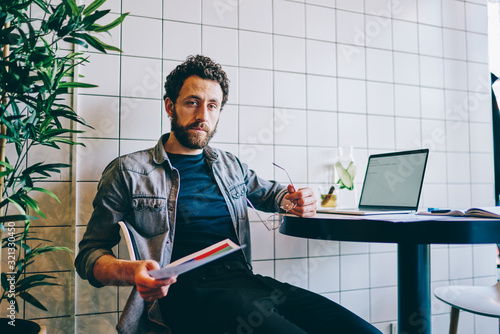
x=238, y=191
x=150, y=215
x=238, y=196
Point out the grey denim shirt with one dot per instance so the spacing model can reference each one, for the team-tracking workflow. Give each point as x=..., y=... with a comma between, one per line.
x=141, y=190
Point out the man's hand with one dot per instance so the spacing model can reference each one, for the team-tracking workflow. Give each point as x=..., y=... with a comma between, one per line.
x=148, y=287
x=305, y=200
x=109, y=270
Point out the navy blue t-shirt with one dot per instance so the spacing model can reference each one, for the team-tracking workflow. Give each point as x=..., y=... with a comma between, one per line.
x=202, y=214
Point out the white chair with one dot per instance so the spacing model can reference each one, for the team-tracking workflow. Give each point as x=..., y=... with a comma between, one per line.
x=482, y=300
x=128, y=240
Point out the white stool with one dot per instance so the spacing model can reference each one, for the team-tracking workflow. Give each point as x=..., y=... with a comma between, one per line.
x=474, y=299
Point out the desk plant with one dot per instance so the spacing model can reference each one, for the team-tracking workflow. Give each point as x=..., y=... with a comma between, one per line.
x=346, y=168
x=36, y=76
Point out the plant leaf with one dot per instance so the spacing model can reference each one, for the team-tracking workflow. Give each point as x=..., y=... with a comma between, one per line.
x=64, y=140
x=5, y=283
x=93, y=6
x=34, y=284
x=34, y=280
x=73, y=84
x=47, y=249
x=32, y=300
x=94, y=42
x=111, y=25
x=110, y=47
x=16, y=204
x=89, y=20
x=43, y=190
x=32, y=204
x=15, y=218
x=73, y=40
x=6, y=165
x=72, y=4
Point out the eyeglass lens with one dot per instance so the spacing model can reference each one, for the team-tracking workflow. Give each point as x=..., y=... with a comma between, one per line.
x=274, y=221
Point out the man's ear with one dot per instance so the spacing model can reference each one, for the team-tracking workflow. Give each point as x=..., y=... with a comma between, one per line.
x=169, y=106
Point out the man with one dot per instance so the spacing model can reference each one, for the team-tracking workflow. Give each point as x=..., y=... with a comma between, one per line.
x=183, y=196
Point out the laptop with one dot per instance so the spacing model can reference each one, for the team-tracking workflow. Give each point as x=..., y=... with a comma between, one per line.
x=393, y=183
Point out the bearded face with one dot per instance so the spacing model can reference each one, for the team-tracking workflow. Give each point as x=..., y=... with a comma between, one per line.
x=195, y=135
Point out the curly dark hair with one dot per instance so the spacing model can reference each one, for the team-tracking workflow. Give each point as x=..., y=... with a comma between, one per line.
x=198, y=65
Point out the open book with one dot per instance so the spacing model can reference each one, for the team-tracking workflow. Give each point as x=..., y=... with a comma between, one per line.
x=206, y=255
x=488, y=212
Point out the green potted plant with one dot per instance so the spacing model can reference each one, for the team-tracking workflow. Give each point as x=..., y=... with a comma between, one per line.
x=36, y=75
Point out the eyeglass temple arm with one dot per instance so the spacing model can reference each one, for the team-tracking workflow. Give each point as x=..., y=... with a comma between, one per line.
x=289, y=178
x=254, y=209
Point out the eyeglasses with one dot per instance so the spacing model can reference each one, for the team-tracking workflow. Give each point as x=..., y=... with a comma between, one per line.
x=275, y=220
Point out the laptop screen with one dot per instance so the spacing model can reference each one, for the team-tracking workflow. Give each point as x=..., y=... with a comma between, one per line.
x=394, y=180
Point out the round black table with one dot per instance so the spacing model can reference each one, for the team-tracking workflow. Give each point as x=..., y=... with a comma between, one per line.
x=413, y=234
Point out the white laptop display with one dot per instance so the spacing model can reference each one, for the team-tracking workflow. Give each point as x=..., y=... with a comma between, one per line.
x=393, y=183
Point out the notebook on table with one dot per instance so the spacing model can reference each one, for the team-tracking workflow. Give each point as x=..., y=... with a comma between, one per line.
x=393, y=183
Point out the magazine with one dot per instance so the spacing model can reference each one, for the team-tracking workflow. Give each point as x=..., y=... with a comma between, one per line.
x=487, y=212
x=204, y=256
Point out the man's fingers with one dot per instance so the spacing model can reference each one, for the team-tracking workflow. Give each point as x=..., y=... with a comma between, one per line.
x=162, y=282
x=142, y=277
x=301, y=193
x=152, y=282
x=304, y=209
x=299, y=211
x=158, y=294
x=147, y=292
x=306, y=201
x=152, y=265
x=154, y=289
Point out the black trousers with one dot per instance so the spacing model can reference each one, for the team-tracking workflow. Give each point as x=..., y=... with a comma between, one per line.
x=228, y=298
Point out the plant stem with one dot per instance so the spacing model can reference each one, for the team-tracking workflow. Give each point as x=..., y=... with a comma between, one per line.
x=3, y=128
x=3, y=131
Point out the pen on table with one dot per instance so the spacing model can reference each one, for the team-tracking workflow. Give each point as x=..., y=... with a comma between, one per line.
x=438, y=210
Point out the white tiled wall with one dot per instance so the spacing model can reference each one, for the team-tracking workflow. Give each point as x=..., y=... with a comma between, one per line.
x=306, y=77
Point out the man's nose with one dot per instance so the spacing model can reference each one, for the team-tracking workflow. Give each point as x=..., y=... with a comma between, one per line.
x=202, y=113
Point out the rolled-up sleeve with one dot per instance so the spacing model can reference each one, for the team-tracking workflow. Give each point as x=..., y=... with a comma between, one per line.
x=111, y=205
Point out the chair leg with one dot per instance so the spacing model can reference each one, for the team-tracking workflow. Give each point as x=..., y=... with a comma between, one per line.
x=455, y=312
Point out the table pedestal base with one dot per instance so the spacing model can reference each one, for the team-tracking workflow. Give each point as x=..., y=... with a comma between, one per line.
x=414, y=307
